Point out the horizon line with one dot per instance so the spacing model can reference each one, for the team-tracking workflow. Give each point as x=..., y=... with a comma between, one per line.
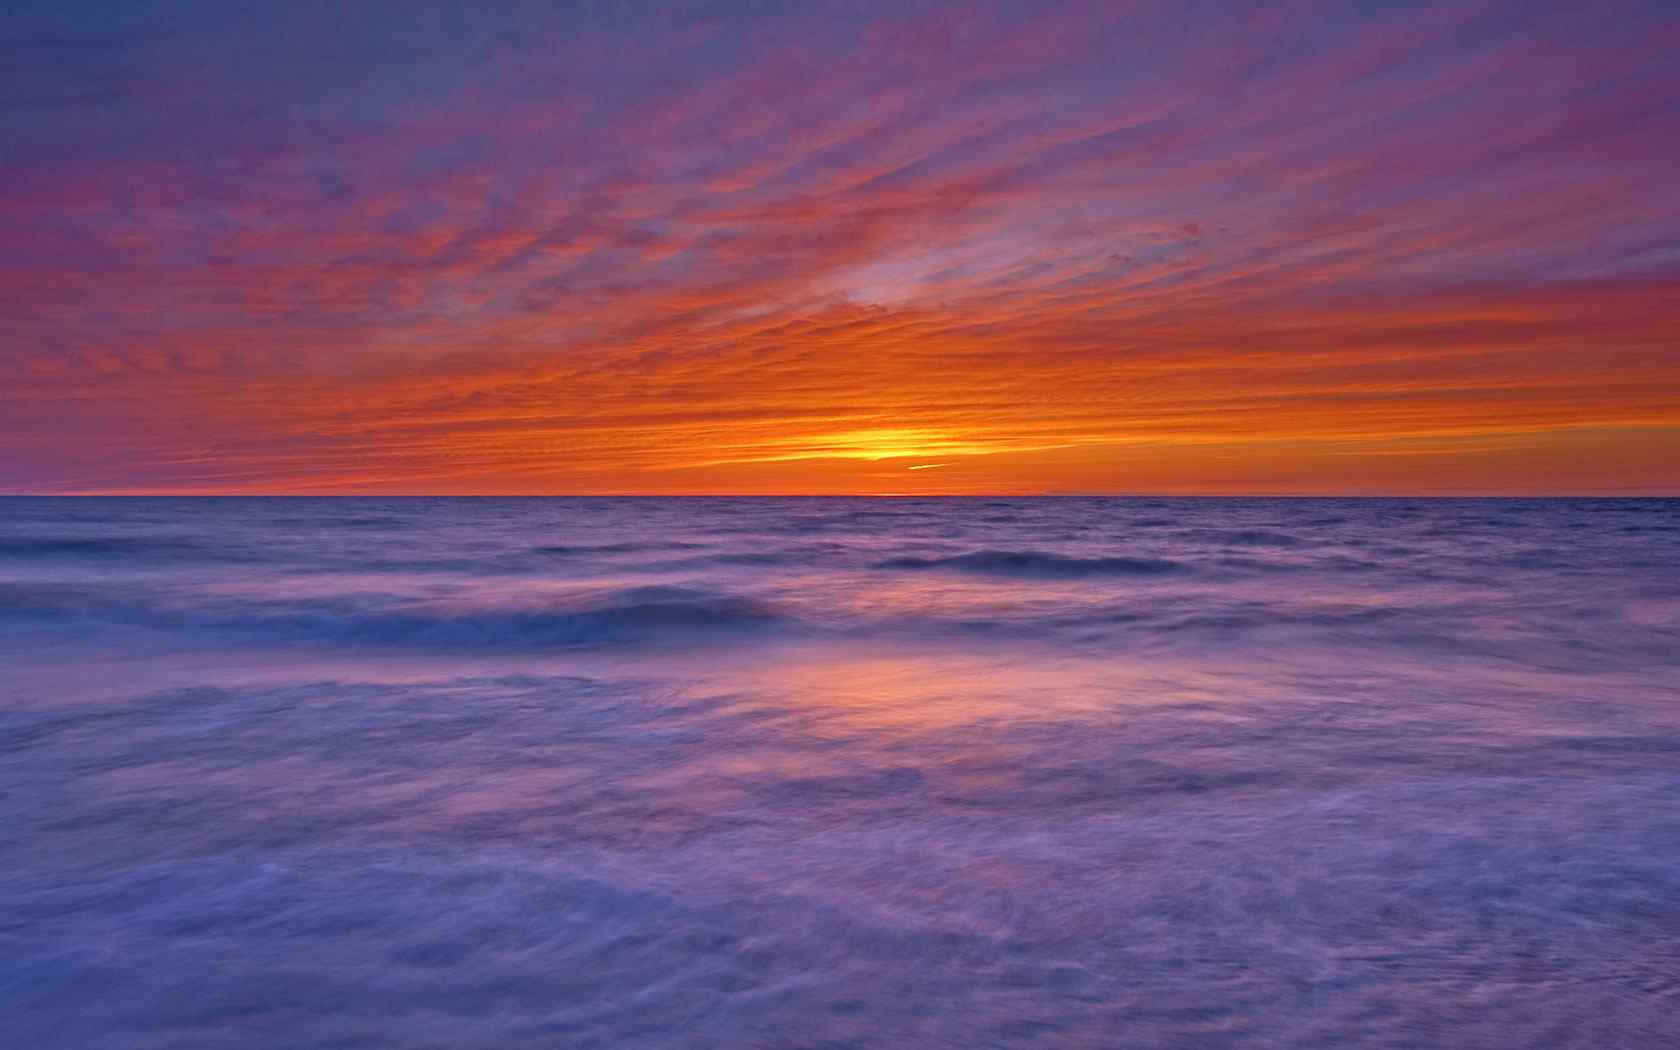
x=1574, y=494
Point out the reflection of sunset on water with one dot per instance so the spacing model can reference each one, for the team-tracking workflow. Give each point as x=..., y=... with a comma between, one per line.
x=842, y=766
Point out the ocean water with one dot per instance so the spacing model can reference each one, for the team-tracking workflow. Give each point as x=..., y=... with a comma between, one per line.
x=824, y=773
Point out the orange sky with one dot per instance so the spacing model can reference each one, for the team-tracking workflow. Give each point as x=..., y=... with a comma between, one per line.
x=1089, y=248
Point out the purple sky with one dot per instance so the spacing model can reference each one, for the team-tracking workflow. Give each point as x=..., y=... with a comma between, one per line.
x=911, y=247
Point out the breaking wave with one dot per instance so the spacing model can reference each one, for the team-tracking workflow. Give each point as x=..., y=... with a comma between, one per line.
x=631, y=615
x=640, y=614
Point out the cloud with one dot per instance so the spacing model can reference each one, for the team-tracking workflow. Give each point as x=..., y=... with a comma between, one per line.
x=558, y=252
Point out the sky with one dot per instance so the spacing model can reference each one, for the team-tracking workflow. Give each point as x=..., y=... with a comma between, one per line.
x=891, y=248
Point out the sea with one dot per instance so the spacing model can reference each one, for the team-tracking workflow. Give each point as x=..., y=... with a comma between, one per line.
x=828, y=773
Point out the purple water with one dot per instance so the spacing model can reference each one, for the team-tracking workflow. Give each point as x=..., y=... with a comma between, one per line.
x=839, y=773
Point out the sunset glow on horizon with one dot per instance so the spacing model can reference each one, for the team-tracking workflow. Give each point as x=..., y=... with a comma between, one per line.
x=910, y=249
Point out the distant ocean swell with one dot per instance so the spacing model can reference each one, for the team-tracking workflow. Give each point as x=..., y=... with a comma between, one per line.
x=1030, y=564
x=670, y=616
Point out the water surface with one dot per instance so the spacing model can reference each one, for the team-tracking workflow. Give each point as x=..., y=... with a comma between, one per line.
x=840, y=773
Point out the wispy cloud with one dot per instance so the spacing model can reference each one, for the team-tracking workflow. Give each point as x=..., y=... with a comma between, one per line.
x=1079, y=247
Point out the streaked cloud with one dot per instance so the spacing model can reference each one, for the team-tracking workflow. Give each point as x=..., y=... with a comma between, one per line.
x=1085, y=247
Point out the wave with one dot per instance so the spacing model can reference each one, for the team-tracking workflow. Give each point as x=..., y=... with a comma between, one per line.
x=631, y=615
x=93, y=546
x=1242, y=537
x=1036, y=564
x=637, y=614
x=371, y=521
